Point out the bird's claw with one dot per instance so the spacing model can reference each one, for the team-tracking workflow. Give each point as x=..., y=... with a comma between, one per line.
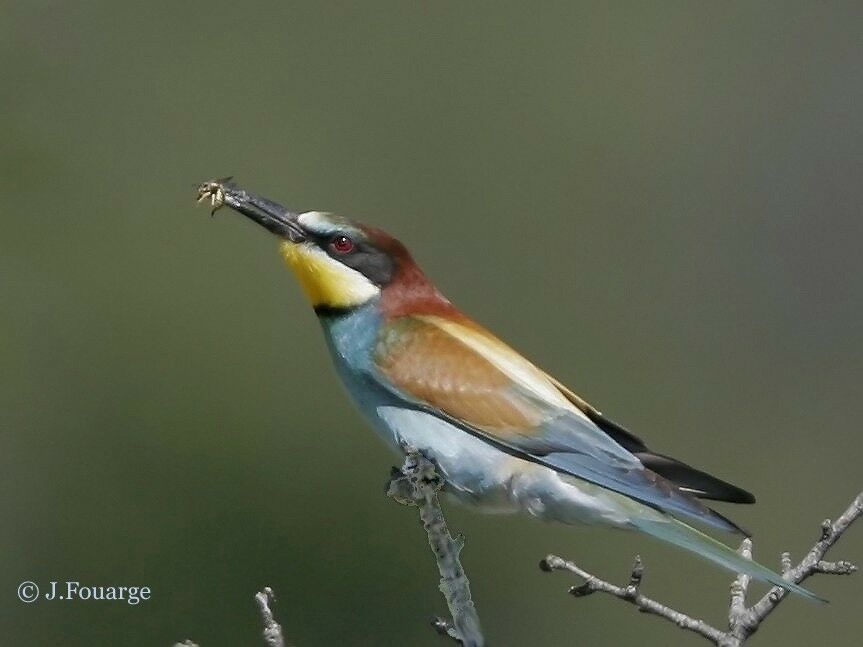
x=410, y=484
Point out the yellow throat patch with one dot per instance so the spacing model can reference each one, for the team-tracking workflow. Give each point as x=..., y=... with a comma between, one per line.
x=326, y=281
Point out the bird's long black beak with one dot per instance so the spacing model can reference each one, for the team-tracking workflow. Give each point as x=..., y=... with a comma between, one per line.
x=270, y=215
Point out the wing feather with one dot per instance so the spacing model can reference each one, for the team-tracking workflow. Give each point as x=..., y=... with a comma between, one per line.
x=687, y=478
x=459, y=371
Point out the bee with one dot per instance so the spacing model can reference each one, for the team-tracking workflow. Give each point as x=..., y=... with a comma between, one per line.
x=215, y=191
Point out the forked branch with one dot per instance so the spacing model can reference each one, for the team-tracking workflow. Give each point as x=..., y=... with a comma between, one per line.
x=416, y=483
x=743, y=621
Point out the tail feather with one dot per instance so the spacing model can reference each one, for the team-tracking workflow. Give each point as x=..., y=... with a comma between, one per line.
x=685, y=536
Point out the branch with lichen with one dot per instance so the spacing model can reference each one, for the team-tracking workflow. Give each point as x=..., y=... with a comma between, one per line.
x=417, y=483
x=743, y=621
x=272, y=629
x=272, y=633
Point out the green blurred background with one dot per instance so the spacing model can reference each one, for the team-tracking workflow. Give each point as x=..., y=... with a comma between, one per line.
x=657, y=202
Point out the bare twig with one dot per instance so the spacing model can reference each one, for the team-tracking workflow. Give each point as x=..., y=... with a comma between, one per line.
x=417, y=483
x=272, y=629
x=737, y=606
x=743, y=621
x=593, y=584
x=746, y=622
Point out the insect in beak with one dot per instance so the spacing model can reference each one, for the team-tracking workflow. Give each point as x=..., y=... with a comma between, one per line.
x=215, y=191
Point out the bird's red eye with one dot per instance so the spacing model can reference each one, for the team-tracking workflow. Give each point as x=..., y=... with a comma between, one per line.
x=341, y=244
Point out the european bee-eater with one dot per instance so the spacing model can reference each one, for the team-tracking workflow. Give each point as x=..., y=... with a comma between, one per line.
x=504, y=435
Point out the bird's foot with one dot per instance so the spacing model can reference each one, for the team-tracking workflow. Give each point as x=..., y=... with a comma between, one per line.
x=415, y=480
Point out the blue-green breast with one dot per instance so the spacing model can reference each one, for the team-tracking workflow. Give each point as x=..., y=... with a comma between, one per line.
x=351, y=338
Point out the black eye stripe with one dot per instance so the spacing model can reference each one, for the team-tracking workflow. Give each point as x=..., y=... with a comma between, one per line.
x=364, y=257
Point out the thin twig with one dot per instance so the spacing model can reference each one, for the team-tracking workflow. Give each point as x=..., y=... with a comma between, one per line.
x=417, y=483
x=743, y=621
x=593, y=584
x=272, y=629
x=737, y=607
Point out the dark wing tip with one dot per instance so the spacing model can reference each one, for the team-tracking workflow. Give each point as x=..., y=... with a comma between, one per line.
x=690, y=480
x=694, y=481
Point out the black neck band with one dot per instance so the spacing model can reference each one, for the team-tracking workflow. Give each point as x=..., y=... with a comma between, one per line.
x=333, y=311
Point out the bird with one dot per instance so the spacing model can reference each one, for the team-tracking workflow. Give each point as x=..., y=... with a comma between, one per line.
x=504, y=435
